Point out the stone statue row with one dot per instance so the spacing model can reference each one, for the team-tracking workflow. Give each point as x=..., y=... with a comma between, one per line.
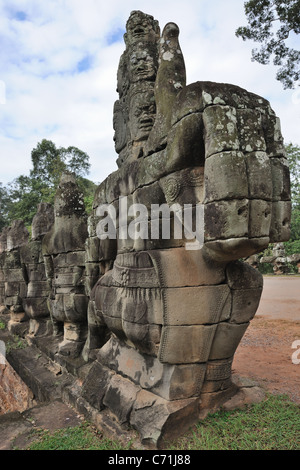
x=159, y=317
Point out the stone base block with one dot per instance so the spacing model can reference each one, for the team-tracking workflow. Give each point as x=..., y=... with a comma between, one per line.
x=155, y=418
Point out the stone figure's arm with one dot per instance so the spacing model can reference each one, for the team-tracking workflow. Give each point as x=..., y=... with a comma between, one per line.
x=235, y=136
x=247, y=191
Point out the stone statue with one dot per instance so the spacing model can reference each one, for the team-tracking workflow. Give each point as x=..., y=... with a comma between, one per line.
x=64, y=256
x=177, y=306
x=15, y=290
x=35, y=302
x=3, y=245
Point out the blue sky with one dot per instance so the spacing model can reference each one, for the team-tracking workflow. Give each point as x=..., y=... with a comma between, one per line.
x=59, y=61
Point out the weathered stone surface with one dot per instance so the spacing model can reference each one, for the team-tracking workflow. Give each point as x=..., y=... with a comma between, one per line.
x=226, y=340
x=221, y=132
x=280, y=221
x=221, y=182
x=17, y=235
x=64, y=254
x=149, y=289
x=186, y=344
x=178, y=310
x=158, y=419
x=42, y=221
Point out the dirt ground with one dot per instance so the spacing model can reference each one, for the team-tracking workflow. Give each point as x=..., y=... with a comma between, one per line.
x=265, y=352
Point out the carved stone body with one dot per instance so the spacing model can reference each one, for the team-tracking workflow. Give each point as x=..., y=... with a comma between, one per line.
x=177, y=310
x=64, y=257
x=15, y=287
x=35, y=302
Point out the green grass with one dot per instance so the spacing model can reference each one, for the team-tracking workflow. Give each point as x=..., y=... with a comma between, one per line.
x=16, y=343
x=82, y=437
x=271, y=425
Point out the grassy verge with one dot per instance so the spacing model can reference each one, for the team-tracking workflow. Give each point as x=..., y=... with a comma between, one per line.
x=271, y=425
x=82, y=437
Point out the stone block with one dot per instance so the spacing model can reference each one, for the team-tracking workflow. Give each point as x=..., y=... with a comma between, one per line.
x=31, y=253
x=260, y=213
x=244, y=304
x=221, y=181
x=202, y=305
x=92, y=246
x=95, y=385
x=38, y=289
x=12, y=259
x=68, y=276
x=251, y=131
x=241, y=275
x=235, y=248
x=220, y=129
x=186, y=344
x=14, y=274
x=226, y=340
x=259, y=176
x=148, y=195
x=280, y=222
x=184, y=186
x=226, y=219
x=74, y=331
x=145, y=338
x=158, y=420
x=36, y=272
x=273, y=136
x=120, y=397
x=180, y=267
x=69, y=307
x=280, y=179
x=183, y=381
x=218, y=370
x=36, y=307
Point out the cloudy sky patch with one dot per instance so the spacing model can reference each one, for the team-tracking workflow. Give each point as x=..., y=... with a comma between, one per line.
x=58, y=67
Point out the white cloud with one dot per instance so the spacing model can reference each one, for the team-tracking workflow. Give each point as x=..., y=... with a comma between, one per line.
x=59, y=63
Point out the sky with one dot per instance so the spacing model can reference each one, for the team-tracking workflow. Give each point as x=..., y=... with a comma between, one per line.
x=58, y=68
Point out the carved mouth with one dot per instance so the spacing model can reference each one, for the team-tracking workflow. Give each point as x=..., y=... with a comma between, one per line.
x=138, y=32
x=146, y=124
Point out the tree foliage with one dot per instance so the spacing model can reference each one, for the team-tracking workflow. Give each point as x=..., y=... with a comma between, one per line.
x=19, y=199
x=293, y=155
x=273, y=23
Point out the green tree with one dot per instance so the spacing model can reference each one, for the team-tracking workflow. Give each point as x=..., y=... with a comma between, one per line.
x=49, y=162
x=20, y=198
x=272, y=23
x=293, y=155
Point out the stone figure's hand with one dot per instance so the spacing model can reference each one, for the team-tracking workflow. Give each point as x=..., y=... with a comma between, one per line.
x=234, y=137
x=246, y=184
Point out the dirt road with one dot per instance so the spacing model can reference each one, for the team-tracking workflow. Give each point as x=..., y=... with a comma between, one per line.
x=280, y=298
x=265, y=352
